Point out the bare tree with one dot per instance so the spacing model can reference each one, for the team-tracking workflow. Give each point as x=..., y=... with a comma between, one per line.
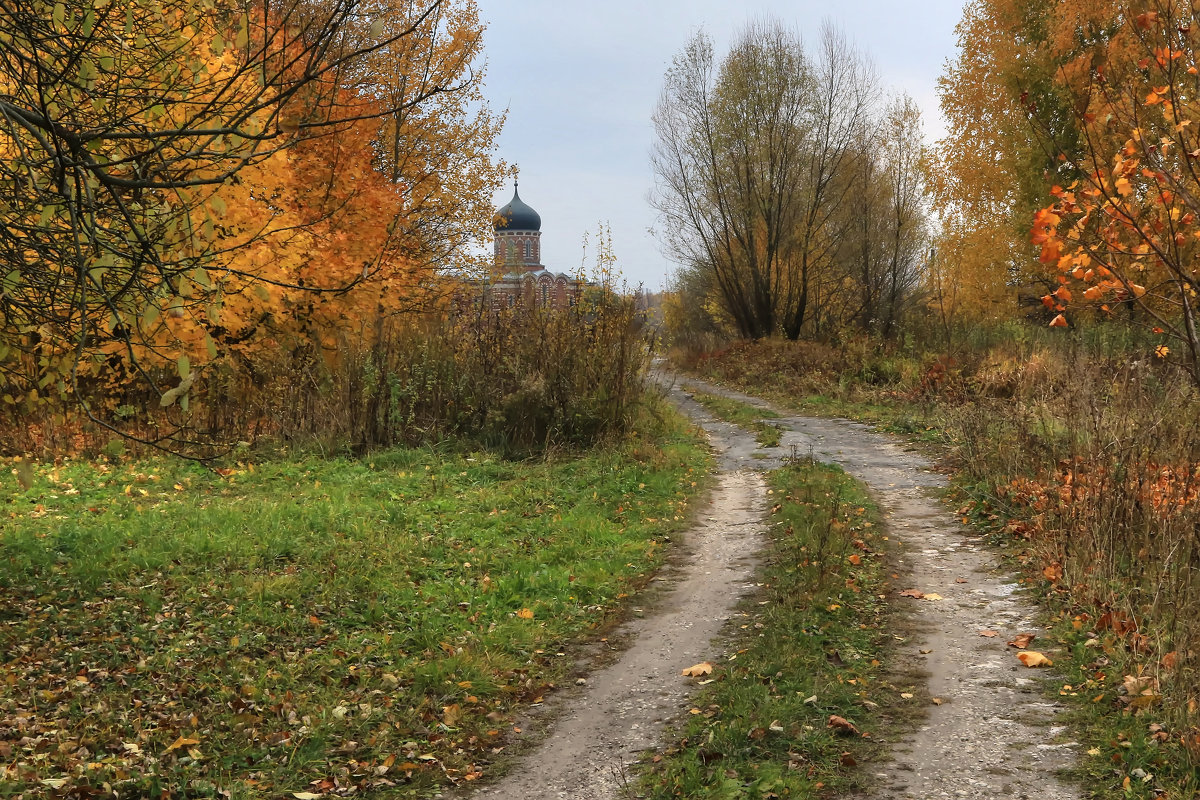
x=750, y=162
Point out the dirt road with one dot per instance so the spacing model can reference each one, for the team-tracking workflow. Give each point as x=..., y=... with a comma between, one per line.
x=990, y=737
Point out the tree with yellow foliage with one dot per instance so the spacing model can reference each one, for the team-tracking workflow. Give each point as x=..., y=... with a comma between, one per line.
x=179, y=178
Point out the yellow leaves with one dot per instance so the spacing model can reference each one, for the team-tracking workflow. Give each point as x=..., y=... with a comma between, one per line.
x=698, y=670
x=1123, y=187
x=1032, y=658
x=525, y=613
x=1162, y=351
x=182, y=742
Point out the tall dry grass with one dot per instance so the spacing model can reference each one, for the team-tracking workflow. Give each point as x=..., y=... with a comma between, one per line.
x=521, y=379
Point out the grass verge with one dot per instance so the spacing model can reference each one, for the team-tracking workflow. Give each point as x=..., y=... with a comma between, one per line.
x=320, y=626
x=741, y=414
x=802, y=695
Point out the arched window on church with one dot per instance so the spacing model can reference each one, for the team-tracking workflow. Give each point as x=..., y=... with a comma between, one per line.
x=545, y=294
x=528, y=250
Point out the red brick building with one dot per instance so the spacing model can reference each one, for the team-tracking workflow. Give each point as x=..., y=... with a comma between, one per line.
x=524, y=280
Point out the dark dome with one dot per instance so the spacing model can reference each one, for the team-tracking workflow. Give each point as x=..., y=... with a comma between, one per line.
x=517, y=216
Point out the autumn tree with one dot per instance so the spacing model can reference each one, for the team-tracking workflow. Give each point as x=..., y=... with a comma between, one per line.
x=883, y=232
x=991, y=168
x=165, y=164
x=1124, y=233
x=790, y=204
x=728, y=162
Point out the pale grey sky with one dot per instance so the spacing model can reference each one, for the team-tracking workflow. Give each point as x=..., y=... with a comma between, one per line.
x=580, y=81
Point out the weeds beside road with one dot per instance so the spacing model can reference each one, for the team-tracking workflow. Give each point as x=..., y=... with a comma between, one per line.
x=1084, y=462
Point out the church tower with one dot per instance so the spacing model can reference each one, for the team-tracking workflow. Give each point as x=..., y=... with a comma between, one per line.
x=518, y=236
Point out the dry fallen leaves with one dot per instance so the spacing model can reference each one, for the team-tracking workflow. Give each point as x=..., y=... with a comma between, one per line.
x=698, y=670
x=1032, y=658
x=525, y=613
x=914, y=593
x=1022, y=641
x=841, y=725
x=989, y=634
x=932, y=596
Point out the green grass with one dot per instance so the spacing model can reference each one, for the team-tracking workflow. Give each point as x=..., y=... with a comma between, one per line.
x=293, y=625
x=1131, y=752
x=809, y=646
x=741, y=414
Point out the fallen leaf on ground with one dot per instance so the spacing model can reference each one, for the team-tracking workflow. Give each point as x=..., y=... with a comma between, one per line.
x=906, y=695
x=841, y=725
x=1032, y=658
x=1053, y=572
x=525, y=613
x=698, y=670
x=1022, y=641
x=937, y=701
x=182, y=742
x=989, y=634
x=1140, y=683
x=960, y=580
x=305, y=795
x=924, y=652
x=914, y=593
x=855, y=559
x=932, y=596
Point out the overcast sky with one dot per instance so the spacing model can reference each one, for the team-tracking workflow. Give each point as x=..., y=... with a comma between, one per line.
x=580, y=81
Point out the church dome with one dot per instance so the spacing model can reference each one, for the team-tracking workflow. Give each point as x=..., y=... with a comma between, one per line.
x=517, y=216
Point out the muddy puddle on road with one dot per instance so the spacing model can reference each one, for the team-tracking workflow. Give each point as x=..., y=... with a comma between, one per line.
x=992, y=735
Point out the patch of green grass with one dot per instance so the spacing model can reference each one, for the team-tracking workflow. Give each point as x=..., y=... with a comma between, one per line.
x=808, y=648
x=743, y=415
x=1134, y=746
x=288, y=625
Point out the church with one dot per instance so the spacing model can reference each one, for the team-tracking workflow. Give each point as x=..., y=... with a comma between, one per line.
x=522, y=278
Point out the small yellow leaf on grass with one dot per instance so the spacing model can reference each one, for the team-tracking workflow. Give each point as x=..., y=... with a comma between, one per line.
x=182, y=742
x=525, y=613
x=907, y=695
x=698, y=670
x=306, y=795
x=1032, y=658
